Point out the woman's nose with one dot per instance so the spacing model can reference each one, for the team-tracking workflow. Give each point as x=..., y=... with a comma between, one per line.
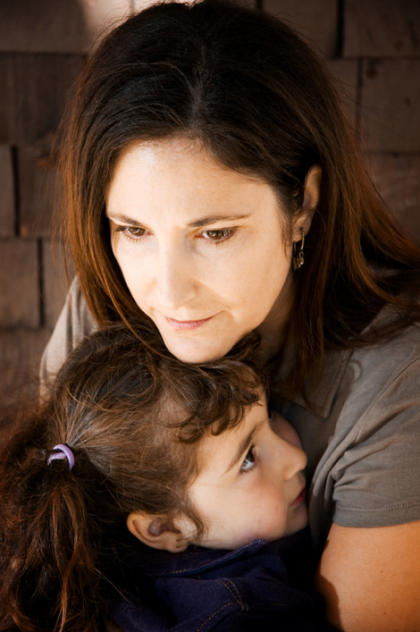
x=175, y=279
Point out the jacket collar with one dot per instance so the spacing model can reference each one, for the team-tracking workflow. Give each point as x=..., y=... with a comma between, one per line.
x=194, y=560
x=197, y=560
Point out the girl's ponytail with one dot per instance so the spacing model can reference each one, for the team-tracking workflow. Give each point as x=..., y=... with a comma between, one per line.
x=48, y=573
x=127, y=415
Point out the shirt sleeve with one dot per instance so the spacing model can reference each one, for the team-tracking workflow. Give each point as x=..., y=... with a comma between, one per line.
x=376, y=480
x=75, y=322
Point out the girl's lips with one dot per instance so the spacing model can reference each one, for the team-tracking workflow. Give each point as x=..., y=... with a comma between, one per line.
x=299, y=498
x=186, y=324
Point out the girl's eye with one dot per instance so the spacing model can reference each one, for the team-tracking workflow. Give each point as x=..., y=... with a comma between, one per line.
x=131, y=232
x=249, y=461
x=218, y=235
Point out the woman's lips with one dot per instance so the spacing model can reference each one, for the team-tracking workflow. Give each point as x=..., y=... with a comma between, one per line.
x=299, y=498
x=186, y=324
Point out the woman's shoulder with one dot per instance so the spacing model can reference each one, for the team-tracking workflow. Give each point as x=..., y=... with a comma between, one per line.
x=74, y=323
x=364, y=445
x=384, y=373
x=386, y=357
x=355, y=378
x=390, y=354
x=75, y=305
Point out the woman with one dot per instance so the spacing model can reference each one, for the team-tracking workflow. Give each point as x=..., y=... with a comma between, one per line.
x=213, y=188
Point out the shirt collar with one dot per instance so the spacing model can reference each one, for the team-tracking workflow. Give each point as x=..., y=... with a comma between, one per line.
x=321, y=385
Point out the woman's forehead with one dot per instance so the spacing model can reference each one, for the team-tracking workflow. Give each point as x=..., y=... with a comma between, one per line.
x=180, y=172
x=175, y=153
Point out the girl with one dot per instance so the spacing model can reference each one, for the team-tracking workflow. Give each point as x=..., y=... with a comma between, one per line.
x=213, y=188
x=184, y=456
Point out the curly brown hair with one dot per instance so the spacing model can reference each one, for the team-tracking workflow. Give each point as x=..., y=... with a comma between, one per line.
x=132, y=415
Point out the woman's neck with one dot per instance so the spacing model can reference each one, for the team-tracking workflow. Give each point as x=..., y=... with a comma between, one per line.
x=273, y=329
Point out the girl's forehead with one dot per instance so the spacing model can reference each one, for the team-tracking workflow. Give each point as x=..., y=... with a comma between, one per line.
x=217, y=453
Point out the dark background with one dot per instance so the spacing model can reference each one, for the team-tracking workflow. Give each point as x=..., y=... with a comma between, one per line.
x=372, y=48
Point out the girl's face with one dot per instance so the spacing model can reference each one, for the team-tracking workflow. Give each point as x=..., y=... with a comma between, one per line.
x=251, y=483
x=203, y=249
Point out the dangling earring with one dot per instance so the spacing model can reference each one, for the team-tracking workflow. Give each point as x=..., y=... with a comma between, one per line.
x=298, y=258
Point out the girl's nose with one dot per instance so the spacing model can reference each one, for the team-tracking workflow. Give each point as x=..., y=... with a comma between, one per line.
x=293, y=459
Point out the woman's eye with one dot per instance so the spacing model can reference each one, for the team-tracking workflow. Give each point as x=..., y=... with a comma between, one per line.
x=131, y=232
x=217, y=235
x=249, y=461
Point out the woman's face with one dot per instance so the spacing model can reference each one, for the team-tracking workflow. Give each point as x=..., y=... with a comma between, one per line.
x=203, y=249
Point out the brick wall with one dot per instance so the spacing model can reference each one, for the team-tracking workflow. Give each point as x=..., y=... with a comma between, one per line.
x=373, y=52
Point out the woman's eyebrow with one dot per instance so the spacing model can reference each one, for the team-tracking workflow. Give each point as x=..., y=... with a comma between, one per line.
x=124, y=218
x=244, y=445
x=211, y=219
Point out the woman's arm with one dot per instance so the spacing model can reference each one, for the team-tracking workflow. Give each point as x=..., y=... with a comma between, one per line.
x=370, y=578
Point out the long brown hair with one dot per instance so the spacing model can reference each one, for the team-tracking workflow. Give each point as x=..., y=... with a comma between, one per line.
x=260, y=101
x=132, y=418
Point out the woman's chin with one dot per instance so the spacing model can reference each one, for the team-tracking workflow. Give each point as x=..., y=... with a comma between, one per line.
x=194, y=351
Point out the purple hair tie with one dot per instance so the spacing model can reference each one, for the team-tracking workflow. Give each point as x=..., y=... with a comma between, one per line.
x=63, y=452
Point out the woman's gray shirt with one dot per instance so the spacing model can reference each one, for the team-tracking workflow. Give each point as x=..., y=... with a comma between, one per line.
x=363, y=441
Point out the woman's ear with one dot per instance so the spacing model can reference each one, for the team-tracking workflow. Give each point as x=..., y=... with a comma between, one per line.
x=311, y=193
x=161, y=532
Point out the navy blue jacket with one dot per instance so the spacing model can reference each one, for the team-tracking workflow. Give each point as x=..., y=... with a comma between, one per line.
x=244, y=590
